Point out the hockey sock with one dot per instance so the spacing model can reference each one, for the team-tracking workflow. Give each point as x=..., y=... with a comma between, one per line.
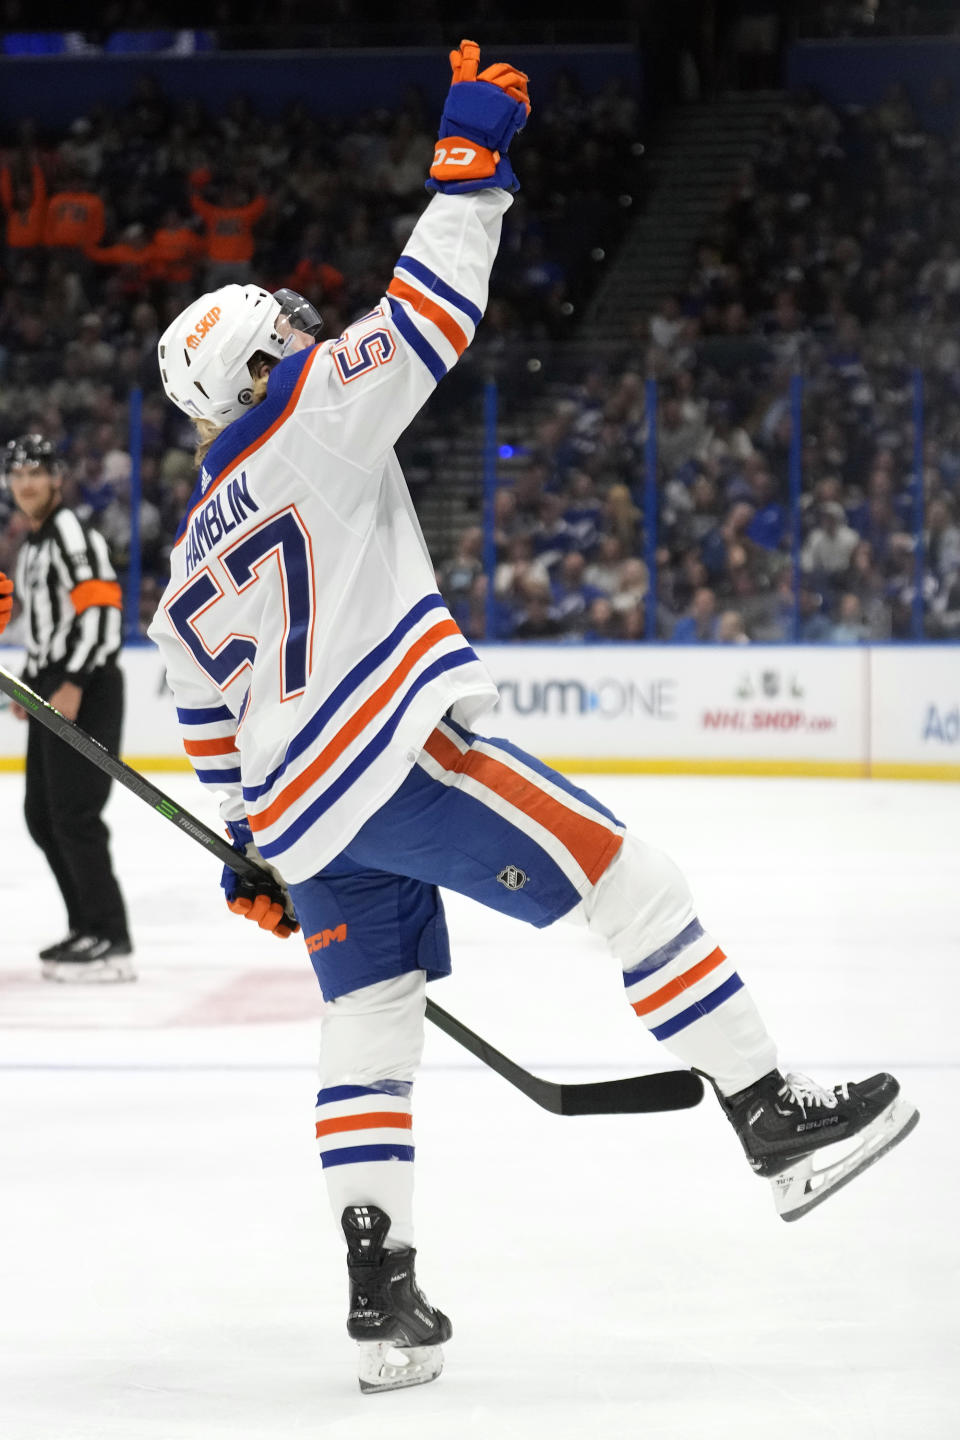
x=678, y=980
x=371, y=1044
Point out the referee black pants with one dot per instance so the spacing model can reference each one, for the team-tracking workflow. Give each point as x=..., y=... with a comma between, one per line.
x=64, y=800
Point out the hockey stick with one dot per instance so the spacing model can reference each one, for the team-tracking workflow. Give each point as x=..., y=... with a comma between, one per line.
x=668, y=1090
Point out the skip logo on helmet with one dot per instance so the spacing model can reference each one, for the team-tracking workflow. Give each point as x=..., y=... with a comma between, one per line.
x=203, y=327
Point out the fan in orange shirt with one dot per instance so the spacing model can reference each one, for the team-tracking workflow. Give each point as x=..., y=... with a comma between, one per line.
x=75, y=219
x=133, y=255
x=176, y=249
x=229, y=227
x=25, y=201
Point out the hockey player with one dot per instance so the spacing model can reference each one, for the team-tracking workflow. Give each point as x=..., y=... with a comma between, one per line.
x=323, y=688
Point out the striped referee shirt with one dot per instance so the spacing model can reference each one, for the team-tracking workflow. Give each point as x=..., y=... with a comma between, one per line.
x=71, y=600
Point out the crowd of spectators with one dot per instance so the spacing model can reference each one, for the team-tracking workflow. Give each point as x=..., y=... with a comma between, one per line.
x=112, y=227
x=836, y=259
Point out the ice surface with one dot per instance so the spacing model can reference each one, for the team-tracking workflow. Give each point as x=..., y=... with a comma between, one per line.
x=168, y=1266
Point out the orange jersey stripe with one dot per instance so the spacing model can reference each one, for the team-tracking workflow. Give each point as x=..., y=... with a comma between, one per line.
x=425, y=306
x=226, y=745
x=683, y=982
x=252, y=448
x=376, y=1120
x=96, y=592
x=349, y=732
x=591, y=843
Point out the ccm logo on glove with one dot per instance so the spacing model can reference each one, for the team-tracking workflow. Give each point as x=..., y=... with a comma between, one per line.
x=461, y=155
x=459, y=160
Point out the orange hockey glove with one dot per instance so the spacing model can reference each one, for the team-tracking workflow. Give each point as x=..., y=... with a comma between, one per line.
x=465, y=61
x=482, y=114
x=6, y=601
x=266, y=902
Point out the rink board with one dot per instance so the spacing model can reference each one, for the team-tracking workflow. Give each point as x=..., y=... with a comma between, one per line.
x=886, y=711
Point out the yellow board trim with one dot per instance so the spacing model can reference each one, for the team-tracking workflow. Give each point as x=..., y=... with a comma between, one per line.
x=883, y=771
x=630, y=765
x=158, y=762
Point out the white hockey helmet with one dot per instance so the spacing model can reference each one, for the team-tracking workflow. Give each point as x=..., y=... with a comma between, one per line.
x=203, y=354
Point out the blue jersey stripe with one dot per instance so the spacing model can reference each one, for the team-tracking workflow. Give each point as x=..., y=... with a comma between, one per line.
x=426, y=276
x=698, y=1009
x=333, y=1093
x=341, y=693
x=204, y=717
x=665, y=954
x=377, y=745
x=358, y=1154
x=416, y=341
x=218, y=777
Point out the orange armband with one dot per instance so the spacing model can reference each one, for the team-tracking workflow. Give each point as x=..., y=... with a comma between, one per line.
x=96, y=592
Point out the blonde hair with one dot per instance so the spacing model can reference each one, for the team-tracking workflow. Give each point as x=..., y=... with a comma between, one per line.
x=207, y=432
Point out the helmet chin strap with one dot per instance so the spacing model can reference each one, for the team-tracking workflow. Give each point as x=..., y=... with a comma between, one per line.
x=298, y=340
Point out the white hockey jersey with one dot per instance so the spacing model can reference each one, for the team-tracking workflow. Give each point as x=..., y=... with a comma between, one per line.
x=304, y=639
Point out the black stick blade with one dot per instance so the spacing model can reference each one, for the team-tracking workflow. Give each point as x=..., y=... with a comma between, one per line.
x=666, y=1090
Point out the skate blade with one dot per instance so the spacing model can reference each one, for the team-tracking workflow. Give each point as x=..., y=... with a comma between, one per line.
x=814, y=1179
x=94, y=972
x=389, y=1367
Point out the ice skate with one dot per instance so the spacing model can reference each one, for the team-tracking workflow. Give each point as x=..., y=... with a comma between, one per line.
x=51, y=952
x=89, y=960
x=809, y=1141
x=399, y=1331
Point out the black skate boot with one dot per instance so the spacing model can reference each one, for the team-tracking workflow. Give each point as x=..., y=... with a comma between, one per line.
x=399, y=1331
x=89, y=959
x=809, y=1141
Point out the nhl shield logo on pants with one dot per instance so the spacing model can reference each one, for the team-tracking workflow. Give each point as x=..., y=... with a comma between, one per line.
x=512, y=877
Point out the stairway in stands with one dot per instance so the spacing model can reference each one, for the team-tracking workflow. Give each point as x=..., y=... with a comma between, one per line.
x=692, y=164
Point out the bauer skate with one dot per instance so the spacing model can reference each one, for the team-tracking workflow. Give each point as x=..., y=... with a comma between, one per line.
x=399, y=1332
x=809, y=1141
x=88, y=960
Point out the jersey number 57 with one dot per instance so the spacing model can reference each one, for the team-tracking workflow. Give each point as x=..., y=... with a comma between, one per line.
x=283, y=538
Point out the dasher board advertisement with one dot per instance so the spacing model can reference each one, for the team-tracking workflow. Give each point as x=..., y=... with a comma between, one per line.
x=746, y=706
x=915, y=694
x=892, y=711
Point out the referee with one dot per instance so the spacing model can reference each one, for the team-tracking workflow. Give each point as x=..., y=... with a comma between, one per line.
x=72, y=630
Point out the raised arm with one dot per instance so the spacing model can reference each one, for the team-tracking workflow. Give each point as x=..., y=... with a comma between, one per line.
x=367, y=386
